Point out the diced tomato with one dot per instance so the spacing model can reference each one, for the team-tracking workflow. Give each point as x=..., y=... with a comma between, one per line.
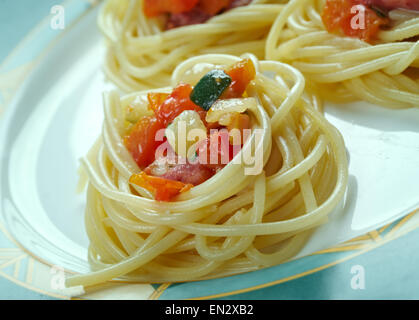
x=239, y=121
x=337, y=18
x=154, y=8
x=212, y=125
x=241, y=74
x=177, y=102
x=189, y=173
x=216, y=151
x=195, y=16
x=155, y=99
x=141, y=141
x=238, y=3
x=212, y=7
x=163, y=189
x=199, y=14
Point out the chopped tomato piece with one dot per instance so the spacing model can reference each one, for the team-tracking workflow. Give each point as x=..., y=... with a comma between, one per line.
x=337, y=18
x=241, y=74
x=212, y=7
x=239, y=121
x=195, y=16
x=188, y=12
x=173, y=169
x=177, y=102
x=189, y=173
x=238, y=3
x=141, y=141
x=163, y=189
x=155, y=99
x=153, y=8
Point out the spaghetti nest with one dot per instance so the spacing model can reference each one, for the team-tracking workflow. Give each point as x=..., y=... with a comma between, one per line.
x=142, y=55
x=343, y=69
x=232, y=223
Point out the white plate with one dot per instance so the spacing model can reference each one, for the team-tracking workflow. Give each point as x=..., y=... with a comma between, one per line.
x=58, y=113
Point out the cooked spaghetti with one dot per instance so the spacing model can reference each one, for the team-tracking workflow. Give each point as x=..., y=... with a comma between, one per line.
x=375, y=60
x=142, y=54
x=232, y=221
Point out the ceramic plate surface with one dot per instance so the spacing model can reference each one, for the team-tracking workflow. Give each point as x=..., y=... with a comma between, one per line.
x=57, y=114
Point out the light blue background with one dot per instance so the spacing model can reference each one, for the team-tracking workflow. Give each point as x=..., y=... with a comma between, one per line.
x=17, y=18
